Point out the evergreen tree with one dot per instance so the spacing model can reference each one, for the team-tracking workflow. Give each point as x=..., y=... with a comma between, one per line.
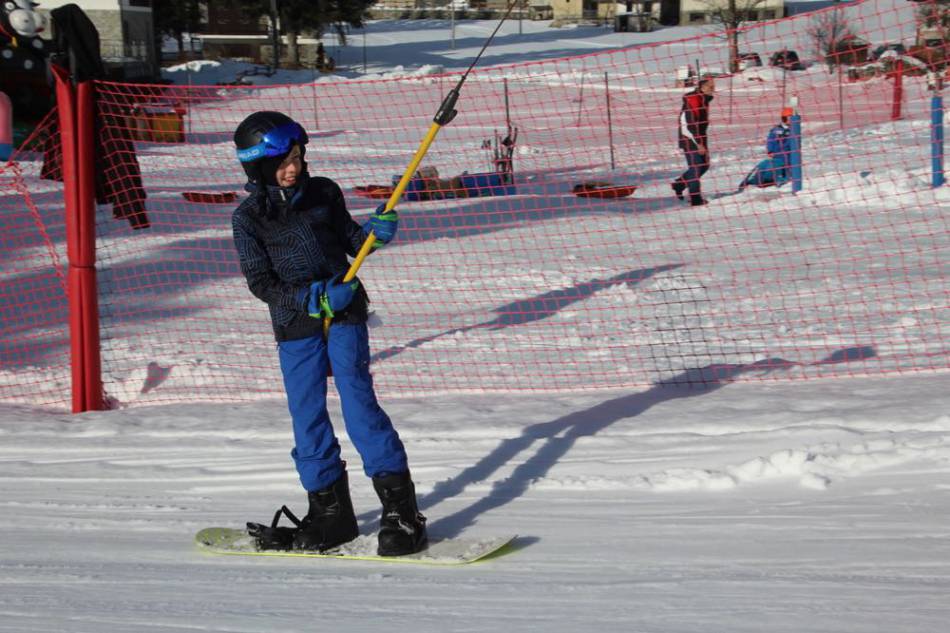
x=309, y=17
x=174, y=18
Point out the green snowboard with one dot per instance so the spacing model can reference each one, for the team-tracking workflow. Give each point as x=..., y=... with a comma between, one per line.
x=452, y=551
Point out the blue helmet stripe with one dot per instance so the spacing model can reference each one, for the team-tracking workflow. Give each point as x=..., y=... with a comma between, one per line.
x=276, y=142
x=251, y=153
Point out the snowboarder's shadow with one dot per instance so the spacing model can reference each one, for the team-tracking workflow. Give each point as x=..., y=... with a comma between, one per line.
x=558, y=436
x=537, y=307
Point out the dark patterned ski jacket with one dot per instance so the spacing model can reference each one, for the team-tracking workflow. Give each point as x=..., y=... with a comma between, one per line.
x=288, y=239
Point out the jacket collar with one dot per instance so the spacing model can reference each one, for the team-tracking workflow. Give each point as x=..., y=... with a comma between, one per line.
x=280, y=200
x=284, y=195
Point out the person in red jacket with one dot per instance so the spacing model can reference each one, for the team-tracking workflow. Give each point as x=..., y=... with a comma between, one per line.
x=693, y=122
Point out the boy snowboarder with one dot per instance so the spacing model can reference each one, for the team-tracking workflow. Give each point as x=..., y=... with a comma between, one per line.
x=293, y=235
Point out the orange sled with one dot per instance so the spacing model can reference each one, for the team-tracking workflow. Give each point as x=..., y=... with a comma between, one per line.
x=603, y=190
x=379, y=192
x=203, y=197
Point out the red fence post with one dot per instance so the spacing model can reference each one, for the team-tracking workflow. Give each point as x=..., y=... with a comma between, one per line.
x=65, y=106
x=898, y=89
x=6, y=127
x=76, y=129
x=86, y=260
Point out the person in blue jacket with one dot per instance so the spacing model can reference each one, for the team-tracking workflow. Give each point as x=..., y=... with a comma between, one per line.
x=293, y=235
x=775, y=169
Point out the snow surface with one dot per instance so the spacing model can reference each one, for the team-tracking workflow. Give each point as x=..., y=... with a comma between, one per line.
x=798, y=506
x=818, y=507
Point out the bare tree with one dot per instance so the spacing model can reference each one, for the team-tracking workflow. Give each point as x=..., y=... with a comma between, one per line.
x=732, y=14
x=827, y=30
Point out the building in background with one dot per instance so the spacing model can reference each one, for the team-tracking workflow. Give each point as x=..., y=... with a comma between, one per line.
x=126, y=35
x=644, y=15
x=229, y=32
x=582, y=10
x=637, y=15
x=699, y=11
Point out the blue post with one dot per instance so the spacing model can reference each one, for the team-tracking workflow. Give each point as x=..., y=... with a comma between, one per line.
x=795, y=159
x=936, y=139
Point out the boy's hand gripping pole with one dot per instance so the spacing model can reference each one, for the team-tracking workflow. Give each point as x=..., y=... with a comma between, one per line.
x=443, y=117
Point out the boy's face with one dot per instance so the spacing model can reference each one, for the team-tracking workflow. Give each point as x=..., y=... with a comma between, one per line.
x=288, y=170
x=708, y=87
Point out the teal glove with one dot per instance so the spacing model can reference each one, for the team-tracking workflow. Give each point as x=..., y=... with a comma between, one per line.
x=326, y=299
x=314, y=307
x=383, y=224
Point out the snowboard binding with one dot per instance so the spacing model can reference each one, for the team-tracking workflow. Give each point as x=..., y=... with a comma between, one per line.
x=275, y=536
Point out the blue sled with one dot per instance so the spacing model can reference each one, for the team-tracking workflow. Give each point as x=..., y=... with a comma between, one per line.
x=494, y=183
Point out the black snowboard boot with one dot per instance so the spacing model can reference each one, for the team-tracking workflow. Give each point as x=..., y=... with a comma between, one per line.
x=402, y=529
x=330, y=520
x=678, y=187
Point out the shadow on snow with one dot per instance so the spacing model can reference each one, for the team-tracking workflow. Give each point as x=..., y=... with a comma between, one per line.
x=558, y=436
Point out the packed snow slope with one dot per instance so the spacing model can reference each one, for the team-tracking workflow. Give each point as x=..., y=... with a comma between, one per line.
x=781, y=507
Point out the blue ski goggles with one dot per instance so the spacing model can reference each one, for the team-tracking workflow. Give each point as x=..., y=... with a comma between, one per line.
x=276, y=142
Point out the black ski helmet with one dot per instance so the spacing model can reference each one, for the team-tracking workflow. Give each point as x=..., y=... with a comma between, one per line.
x=265, y=135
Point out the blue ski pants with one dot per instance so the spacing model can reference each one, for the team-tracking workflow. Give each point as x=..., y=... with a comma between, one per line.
x=316, y=452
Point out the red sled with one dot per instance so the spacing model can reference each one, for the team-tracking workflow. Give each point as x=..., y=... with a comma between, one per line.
x=203, y=197
x=379, y=192
x=603, y=190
